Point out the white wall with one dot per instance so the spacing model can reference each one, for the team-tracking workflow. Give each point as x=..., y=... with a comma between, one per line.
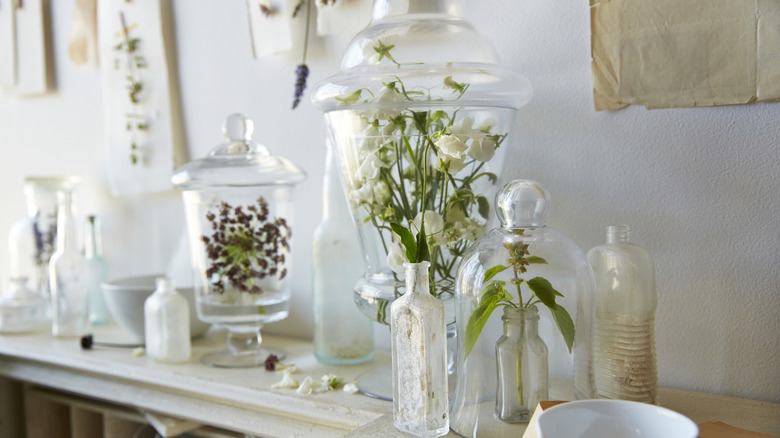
x=700, y=187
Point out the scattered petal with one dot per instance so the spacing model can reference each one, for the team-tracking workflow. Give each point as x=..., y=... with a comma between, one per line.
x=288, y=381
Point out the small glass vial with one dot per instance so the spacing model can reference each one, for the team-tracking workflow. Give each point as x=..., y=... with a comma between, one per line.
x=67, y=275
x=419, y=354
x=521, y=359
x=626, y=300
x=167, y=324
x=342, y=334
x=96, y=271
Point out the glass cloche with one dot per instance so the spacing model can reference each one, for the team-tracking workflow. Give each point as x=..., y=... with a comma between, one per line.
x=239, y=209
x=523, y=301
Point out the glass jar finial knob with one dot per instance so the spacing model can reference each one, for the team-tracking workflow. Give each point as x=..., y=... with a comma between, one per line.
x=522, y=203
x=238, y=129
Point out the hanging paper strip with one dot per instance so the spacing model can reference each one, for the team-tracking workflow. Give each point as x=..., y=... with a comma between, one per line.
x=142, y=119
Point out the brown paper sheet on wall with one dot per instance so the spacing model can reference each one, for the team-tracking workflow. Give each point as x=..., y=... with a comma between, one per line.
x=684, y=53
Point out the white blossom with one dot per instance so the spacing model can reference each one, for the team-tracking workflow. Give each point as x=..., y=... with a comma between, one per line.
x=463, y=129
x=451, y=154
x=459, y=226
x=434, y=226
x=483, y=147
x=396, y=256
x=386, y=104
x=350, y=387
x=370, y=139
x=369, y=170
x=307, y=386
x=288, y=381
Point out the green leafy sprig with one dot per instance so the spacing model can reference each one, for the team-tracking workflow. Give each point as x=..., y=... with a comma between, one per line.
x=135, y=62
x=495, y=293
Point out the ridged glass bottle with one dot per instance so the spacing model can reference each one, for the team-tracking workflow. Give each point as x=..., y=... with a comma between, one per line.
x=419, y=355
x=96, y=271
x=626, y=301
x=521, y=359
x=167, y=324
x=342, y=334
x=67, y=275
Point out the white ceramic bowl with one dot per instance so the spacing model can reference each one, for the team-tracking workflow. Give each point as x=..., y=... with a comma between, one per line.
x=125, y=300
x=613, y=419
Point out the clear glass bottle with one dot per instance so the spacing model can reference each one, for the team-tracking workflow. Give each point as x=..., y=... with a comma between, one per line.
x=31, y=239
x=68, y=274
x=419, y=358
x=167, y=324
x=626, y=301
x=96, y=271
x=342, y=334
x=21, y=309
x=521, y=357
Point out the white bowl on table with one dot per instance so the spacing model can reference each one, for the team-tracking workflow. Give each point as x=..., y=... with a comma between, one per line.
x=125, y=300
x=613, y=419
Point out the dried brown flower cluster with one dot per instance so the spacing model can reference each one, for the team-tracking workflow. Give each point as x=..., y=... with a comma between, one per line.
x=245, y=247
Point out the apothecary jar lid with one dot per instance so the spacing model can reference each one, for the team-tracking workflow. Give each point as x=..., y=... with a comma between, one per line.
x=421, y=44
x=238, y=162
x=529, y=251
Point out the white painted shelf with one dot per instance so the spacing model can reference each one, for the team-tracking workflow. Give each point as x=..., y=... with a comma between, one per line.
x=130, y=390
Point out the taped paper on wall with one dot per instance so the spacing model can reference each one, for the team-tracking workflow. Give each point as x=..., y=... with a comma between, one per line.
x=684, y=53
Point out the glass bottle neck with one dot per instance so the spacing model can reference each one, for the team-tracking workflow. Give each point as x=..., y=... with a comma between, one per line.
x=417, y=278
x=520, y=321
x=93, y=245
x=66, y=226
x=389, y=8
x=618, y=234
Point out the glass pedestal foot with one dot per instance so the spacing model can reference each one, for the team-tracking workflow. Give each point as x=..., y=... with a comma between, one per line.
x=227, y=359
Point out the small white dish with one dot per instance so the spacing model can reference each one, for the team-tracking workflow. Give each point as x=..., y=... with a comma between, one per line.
x=613, y=419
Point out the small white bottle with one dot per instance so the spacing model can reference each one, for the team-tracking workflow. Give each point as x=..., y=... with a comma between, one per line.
x=626, y=301
x=167, y=324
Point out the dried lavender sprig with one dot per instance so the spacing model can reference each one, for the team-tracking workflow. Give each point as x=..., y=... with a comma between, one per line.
x=301, y=73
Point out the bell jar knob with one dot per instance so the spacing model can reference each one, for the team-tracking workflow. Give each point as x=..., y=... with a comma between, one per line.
x=522, y=203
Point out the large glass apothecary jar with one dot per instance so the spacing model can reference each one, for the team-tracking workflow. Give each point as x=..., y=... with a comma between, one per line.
x=522, y=265
x=238, y=203
x=420, y=116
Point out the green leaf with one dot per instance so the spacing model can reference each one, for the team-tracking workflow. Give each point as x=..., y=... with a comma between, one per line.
x=492, y=295
x=565, y=324
x=484, y=206
x=407, y=240
x=420, y=120
x=492, y=177
x=543, y=290
x=535, y=260
x=492, y=272
x=422, y=245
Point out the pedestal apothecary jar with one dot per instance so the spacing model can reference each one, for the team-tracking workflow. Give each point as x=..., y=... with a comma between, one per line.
x=523, y=264
x=238, y=205
x=420, y=116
